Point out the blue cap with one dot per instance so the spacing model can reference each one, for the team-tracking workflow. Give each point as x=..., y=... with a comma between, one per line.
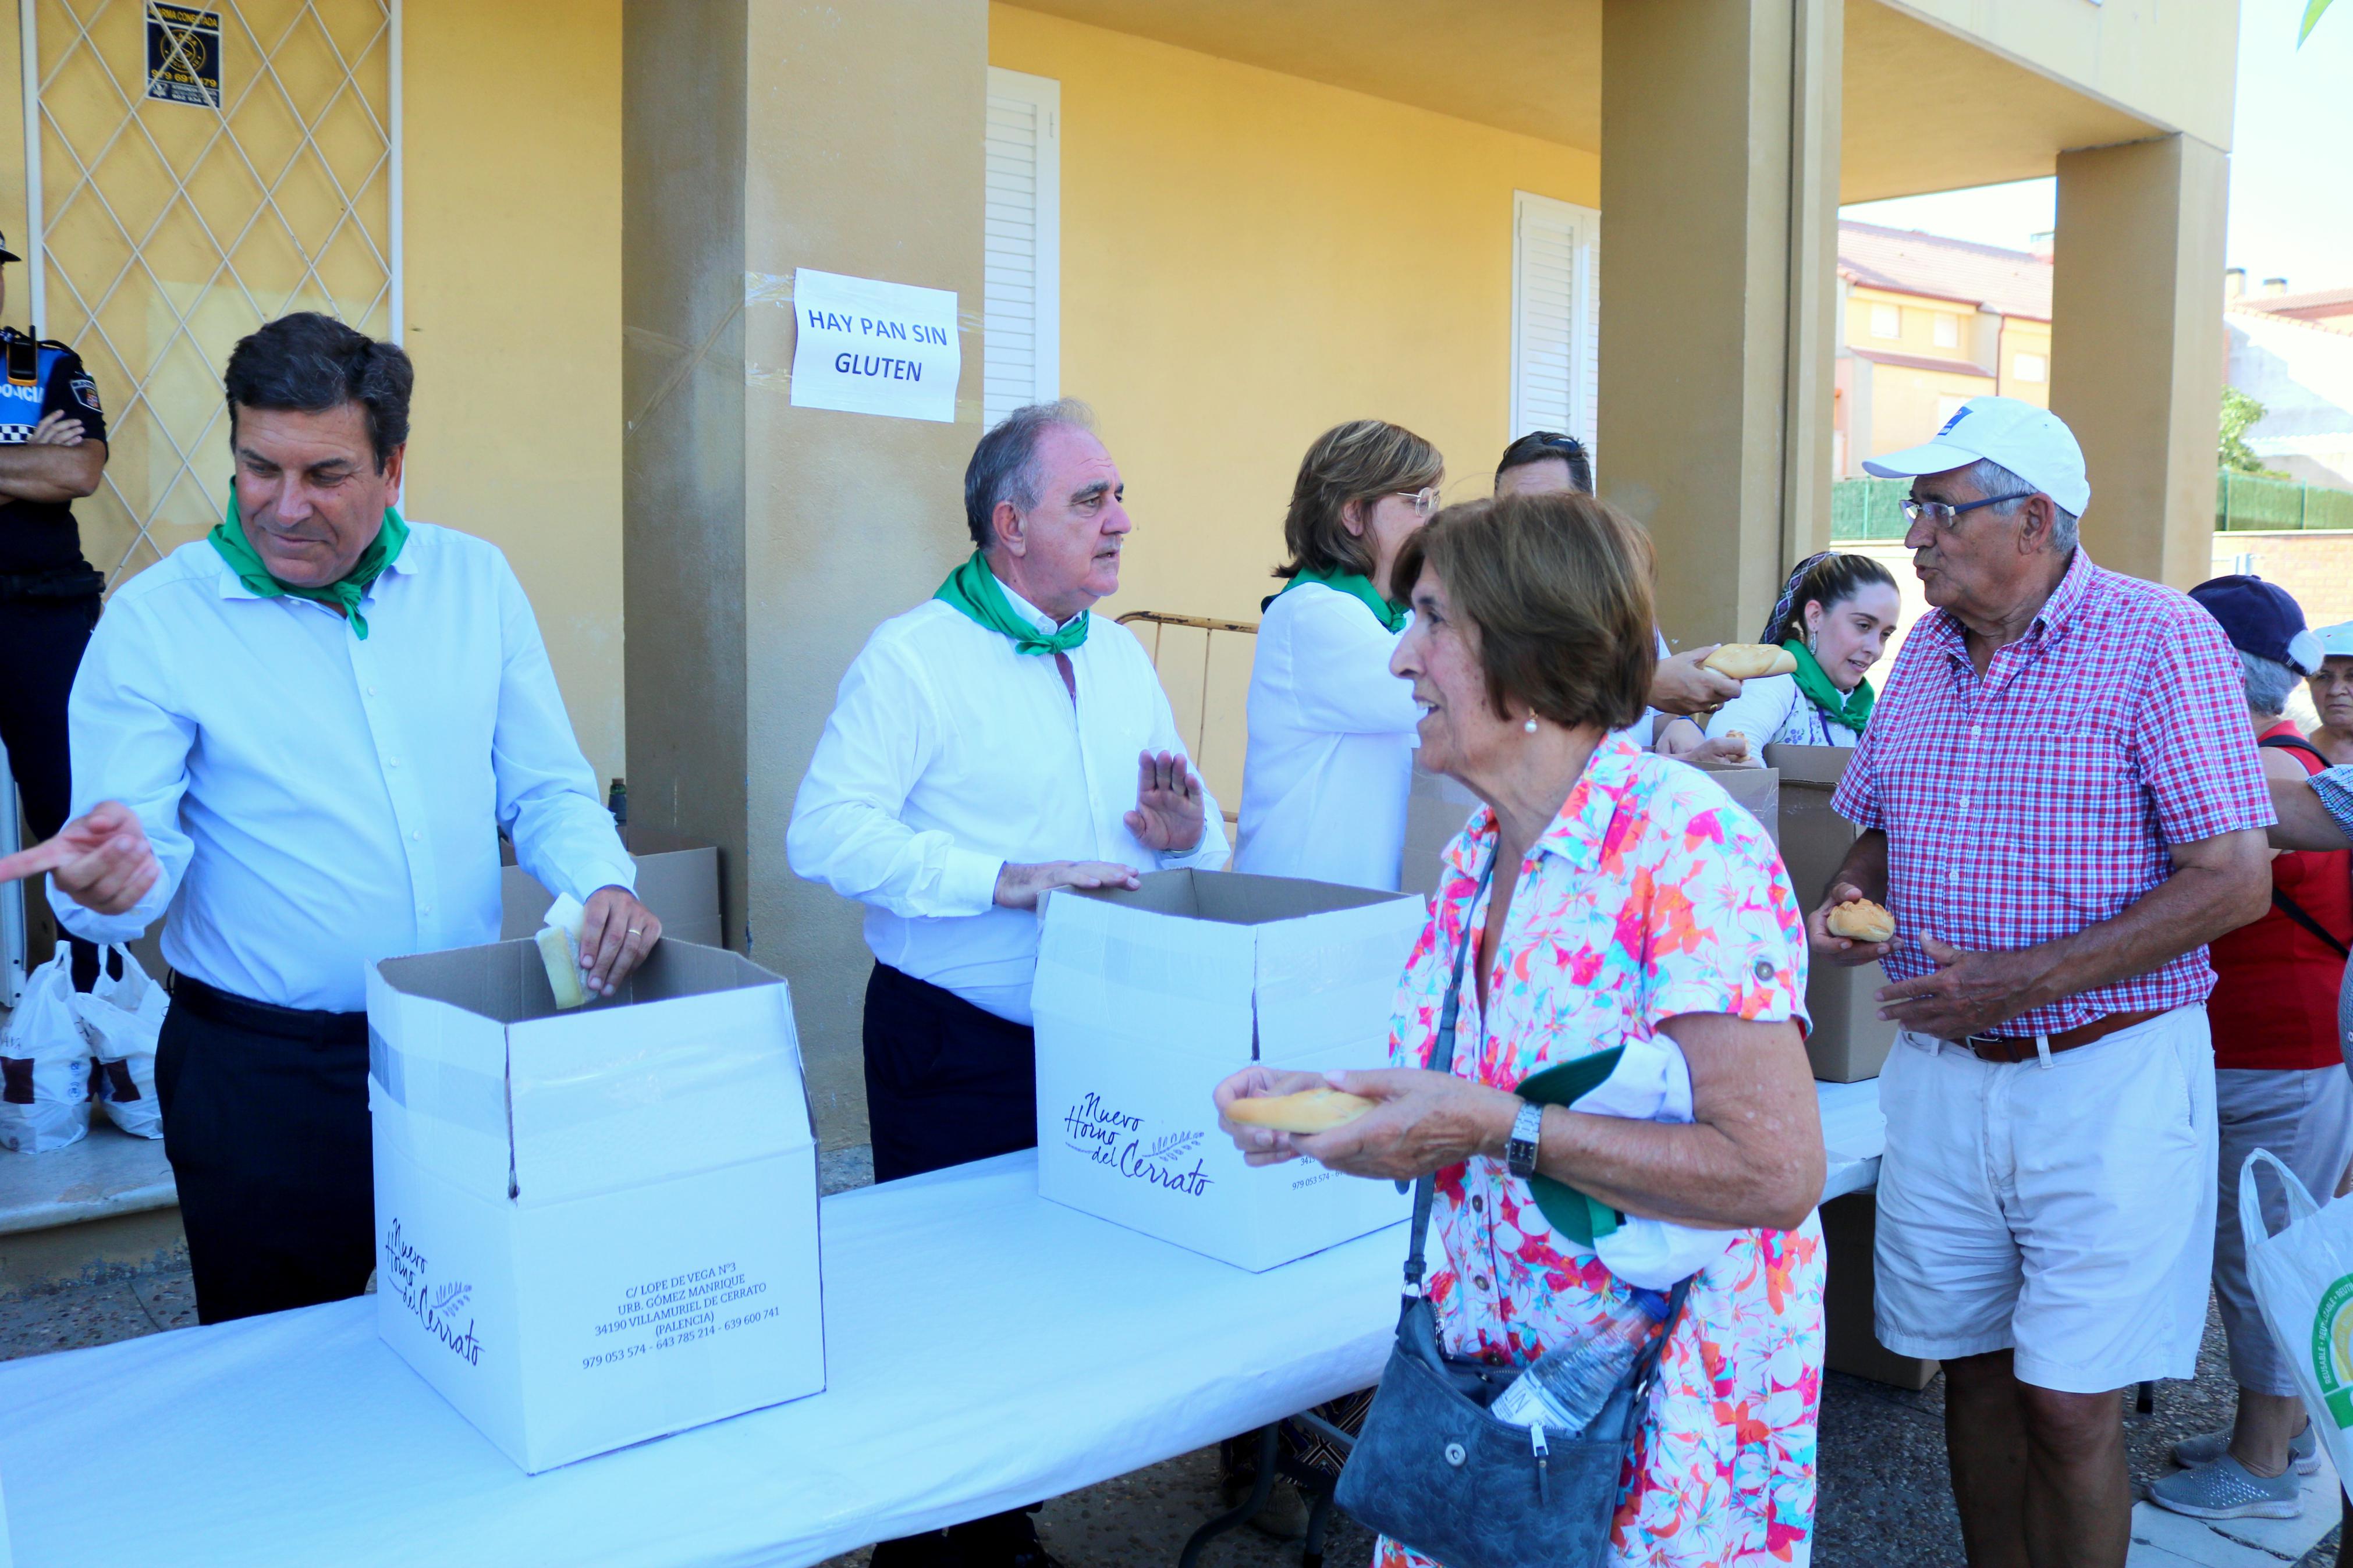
x=2337, y=641
x=2263, y=619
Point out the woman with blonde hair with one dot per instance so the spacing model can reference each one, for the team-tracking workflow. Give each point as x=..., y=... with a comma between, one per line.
x=1330, y=730
x=1606, y=901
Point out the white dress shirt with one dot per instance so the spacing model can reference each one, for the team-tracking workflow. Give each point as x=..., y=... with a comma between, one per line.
x=318, y=801
x=1771, y=711
x=949, y=754
x=1331, y=744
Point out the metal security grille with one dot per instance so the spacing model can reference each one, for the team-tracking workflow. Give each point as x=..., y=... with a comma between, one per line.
x=166, y=228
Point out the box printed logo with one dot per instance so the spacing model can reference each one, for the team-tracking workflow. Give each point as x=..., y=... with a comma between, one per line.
x=1109, y=1137
x=2332, y=1350
x=435, y=1306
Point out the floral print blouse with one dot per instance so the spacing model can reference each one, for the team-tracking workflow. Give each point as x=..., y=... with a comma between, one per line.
x=1651, y=895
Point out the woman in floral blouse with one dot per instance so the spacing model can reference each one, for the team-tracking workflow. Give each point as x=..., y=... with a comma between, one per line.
x=1624, y=895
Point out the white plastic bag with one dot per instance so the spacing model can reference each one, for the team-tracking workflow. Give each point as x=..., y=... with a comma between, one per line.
x=121, y=1016
x=2302, y=1280
x=45, y=1065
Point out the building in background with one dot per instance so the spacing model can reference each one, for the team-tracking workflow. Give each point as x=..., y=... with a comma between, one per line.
x=1931, y=322
x=2294, y=354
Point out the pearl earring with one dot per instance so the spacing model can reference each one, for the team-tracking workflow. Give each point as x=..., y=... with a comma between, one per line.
x=1531, y=725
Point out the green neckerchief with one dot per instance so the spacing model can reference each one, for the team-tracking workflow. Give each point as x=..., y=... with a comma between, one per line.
x=973, y=589
x=1357, y=585
x=343, y=593
x=1851, y=708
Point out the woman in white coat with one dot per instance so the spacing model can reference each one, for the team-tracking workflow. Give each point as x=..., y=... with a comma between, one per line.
x=1835, y=615
x=1330, y=730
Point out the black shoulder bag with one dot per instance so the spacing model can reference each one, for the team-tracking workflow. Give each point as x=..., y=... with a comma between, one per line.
x=1434, y=1470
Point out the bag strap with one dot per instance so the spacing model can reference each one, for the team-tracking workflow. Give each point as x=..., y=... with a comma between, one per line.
x=2304, y=918
x=2293, y=743
x=1442, y=1060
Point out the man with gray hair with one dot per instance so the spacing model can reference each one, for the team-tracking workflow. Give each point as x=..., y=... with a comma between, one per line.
x=977, y=756
x=2061, y=802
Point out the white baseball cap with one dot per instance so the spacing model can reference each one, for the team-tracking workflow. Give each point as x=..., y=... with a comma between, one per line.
x=2337, y=641
x=2033, y=443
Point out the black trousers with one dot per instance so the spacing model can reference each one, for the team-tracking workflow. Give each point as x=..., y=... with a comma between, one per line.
x=41, y=643
x=265, y=1123
x=947, y=1082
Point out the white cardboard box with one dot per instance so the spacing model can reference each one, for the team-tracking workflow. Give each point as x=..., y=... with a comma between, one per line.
x=599, y=1226
x=1145, y=1000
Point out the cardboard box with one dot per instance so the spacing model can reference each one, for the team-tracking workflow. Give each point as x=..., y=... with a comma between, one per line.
x=678, y=878
x=598, y=1226
x=1756, y=789
x=1145, y=1000
x=1849, y=1041
x=1436, y=808
x=1850, y=1231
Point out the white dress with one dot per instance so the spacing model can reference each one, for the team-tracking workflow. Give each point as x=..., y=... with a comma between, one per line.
x=1771, y=711
x=1331, y=744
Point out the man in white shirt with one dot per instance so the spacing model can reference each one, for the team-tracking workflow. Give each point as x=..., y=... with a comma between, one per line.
x=301, y=737
x=993, y=743
x=996, y=741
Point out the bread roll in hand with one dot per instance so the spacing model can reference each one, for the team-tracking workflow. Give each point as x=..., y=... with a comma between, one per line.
x=1309, y=1110
x=1747, y=660
x=1862, y=921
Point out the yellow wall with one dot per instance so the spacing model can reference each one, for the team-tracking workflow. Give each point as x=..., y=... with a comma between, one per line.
x=513, y=170
x=1249, y=259
x=1918, y=316
x=1905, y=410
x=2021, y=336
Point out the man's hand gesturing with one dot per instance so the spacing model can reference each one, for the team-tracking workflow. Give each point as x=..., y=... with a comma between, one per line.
x=1167, y=814
x=102, y=861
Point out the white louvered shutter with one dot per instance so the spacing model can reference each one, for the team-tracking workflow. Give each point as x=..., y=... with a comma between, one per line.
x=1022, y=293
x=1555, y=316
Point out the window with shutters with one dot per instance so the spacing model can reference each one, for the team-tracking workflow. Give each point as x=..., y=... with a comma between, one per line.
x=1555, y=316
x=1022, y=294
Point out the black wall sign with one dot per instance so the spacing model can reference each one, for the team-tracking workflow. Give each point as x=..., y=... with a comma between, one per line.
x=184, y=51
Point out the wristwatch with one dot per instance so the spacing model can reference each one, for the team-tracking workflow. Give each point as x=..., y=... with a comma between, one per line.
x=1520, y=1148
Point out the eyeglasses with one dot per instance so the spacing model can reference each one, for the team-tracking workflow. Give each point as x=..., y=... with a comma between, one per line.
x=1943, y=514
x=1425, y=500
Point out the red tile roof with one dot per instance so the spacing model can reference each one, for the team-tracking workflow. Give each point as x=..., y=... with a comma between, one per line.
x=2013, y=282
x=1923, y=361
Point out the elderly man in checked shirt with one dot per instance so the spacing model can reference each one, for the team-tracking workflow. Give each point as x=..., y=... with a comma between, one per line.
x=2062, y=803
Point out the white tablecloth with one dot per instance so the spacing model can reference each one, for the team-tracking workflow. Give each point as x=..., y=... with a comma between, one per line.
x=985, y=1349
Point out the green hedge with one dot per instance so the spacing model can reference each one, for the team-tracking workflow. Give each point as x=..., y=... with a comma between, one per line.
x=1873, y=509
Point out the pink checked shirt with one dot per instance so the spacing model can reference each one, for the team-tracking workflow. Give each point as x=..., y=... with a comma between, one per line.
x=2040, y=800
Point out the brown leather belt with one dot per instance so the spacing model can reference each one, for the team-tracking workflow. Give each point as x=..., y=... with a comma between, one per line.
x=2020, y=1048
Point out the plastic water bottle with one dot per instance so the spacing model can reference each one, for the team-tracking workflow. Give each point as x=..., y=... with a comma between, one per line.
x=1564, y=1389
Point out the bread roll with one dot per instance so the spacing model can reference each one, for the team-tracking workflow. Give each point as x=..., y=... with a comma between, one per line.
x=1862, y=920
x=1309, y=1110
x=1747, y=660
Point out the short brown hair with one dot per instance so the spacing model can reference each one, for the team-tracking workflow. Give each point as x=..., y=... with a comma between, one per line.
x=1559, y=586
x=1360, y=461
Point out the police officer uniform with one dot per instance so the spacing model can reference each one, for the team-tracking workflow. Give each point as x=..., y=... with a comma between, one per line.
x=49, y=593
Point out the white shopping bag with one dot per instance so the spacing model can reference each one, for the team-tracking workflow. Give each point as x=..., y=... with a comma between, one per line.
x=121, y=1016
x=2302, y=1280
x=45, y=1065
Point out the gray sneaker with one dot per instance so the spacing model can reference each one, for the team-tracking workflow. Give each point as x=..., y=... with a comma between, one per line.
x=2228, y=1490
x=2302, y=1449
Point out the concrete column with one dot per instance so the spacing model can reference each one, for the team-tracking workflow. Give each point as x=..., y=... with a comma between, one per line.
x=1719, y=310
x=2137, y=351
x=764, y=543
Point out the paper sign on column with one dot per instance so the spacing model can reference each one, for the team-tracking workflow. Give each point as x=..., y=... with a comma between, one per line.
x=869, y=347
